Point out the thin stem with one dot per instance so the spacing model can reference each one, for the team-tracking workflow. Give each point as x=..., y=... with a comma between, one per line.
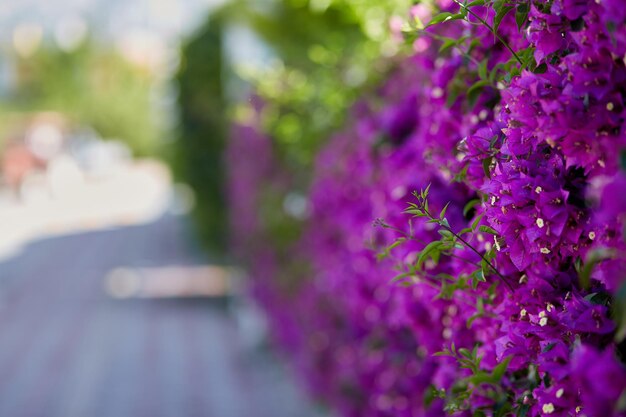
x=488, y=26
x=451, y=254
x=395, y=229
x=470, y=247
x=413, y=238
x=502, y=278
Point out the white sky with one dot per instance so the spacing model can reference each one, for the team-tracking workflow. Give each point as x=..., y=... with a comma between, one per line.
x=107, y=19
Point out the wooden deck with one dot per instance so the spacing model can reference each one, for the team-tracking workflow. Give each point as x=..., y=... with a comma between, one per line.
x=67, y=349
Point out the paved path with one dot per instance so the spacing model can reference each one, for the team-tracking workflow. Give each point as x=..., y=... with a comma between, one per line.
x=69, y=350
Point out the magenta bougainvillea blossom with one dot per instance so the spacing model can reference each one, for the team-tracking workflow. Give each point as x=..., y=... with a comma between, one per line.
x=528, y=179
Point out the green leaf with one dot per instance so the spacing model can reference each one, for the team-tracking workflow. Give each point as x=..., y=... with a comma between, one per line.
x=425, y=192
x=443, y=211
x=461, y=175
x=618, y=312
x=451, y=43
x=476, y=3
x=475, y=43
x=494, y=73
x=487, y=229
x=444, y=17
x=480, y=275
x=548, y=347
x=474, y=283
x=477, y=220
x=474, y=91
x=500, y=369
x=473, y=318
x=480, y=305
x=484, y=268
x=453, y=94
x=482, y=69
x=522, y=411
x=599, y=298
x=500, y=14
x=594, y=257
x=481, y=377
x=435, y=255
x=541, y=68
x=426, y=252
x=385, y=253
x=470, y=205
x=487, y=166
x=415, y=212
x=401, y=276
x=527, y=56
x=439, y=18
x=397, y=243
x=521, y=15
x=465, y=352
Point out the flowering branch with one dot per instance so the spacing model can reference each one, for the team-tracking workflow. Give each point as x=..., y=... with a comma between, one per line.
x=421, y=210
x=491, y=29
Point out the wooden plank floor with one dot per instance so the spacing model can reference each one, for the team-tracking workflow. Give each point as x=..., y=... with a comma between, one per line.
x=69, y=350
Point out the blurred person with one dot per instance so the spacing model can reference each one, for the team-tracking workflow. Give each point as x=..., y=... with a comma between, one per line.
x=17, y=163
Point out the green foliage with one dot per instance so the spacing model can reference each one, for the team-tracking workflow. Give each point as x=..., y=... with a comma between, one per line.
x=325, y=53
x=479, y=381
x=452, y=241
x=594, y=257
x=618, y=309
x=452, y=244
x=197, y=155
x=325, y=58
x=93, y=86
x=483, y=78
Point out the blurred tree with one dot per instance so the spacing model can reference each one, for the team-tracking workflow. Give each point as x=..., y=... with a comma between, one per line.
x=197, y=156
x=94, y=86
x=323, y=53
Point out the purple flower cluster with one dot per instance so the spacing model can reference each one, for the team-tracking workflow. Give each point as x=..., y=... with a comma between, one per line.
x=540, y=153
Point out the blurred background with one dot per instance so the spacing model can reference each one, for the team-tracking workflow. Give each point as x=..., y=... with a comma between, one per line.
x=122, y=289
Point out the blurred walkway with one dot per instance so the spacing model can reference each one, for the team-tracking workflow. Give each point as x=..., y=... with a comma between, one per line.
x=67, y=349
